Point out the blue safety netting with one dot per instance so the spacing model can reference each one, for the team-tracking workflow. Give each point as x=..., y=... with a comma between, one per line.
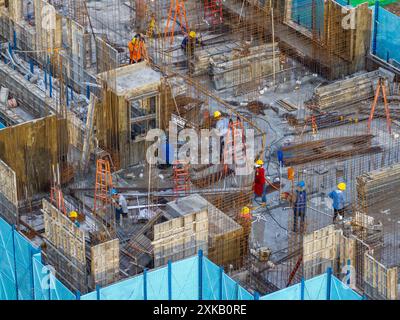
x=178, y=281
x=385, y=36
x=22, y=274
x=316, y=289
x=302, y=14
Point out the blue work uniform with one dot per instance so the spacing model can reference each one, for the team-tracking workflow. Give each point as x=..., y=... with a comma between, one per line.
x=299, y=208
x=338, y=203
x=338, y=199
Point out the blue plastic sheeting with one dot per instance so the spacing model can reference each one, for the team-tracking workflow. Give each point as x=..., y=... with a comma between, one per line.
x=316, y=289
x=46, y=286
x=2, y=126
x=387, y=39
x=22, y=274
x=181, y=283
x=302, y=14
x=16, y=278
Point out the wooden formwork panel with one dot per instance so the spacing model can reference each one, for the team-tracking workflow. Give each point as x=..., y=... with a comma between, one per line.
x=380, y=282
x=105, y=262
x=319, y=250
x=63, y=233
x=30, y=149
x=226, y=249
x=180, y=237
x=8, y=185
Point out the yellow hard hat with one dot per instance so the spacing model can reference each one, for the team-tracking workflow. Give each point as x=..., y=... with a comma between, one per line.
x=259, y=162
x=245, y=213
x=217, y=114
x=73, y=214
x=341, y=186
x=192, y=34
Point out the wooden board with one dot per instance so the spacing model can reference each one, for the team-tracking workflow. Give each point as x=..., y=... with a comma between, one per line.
x=63, y=233
x=380, y=282
x=8, y=185
x=30, y=149
x=319, y=251
x=180, y=238
x=105, y=262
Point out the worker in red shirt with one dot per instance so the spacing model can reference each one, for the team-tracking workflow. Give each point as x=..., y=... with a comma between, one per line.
x=260, y=188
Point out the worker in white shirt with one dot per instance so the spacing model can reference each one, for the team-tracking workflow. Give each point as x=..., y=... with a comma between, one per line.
x=121, y=206
x=222, y=127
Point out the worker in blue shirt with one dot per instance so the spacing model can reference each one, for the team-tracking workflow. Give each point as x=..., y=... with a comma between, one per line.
x=338, y=201
x=299, y=206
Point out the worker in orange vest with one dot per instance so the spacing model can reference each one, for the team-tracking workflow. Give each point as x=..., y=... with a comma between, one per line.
x=245, y=213
x=137, y=49
x=260, y=187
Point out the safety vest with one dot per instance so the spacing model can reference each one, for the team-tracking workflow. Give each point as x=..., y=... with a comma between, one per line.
x=135, y=49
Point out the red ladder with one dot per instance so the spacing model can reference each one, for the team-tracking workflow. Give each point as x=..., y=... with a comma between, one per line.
x=181, y=178
x=103, y=185
x=56, y=194
x=57, y=198
x=176, y=12
x=213, y=11
x=294, y=271
x=381, y=86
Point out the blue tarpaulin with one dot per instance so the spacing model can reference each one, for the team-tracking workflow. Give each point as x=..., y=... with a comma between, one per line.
x=23, y=276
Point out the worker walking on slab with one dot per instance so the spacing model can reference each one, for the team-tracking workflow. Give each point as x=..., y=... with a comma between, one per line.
x=299, y=206
x=137, y=49
x=222, y=127
x=260, y=186
x=337, y=196
x=121, y=206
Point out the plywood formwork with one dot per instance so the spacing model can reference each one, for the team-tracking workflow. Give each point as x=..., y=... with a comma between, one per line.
x=325, y=248
x=48, y=24
x=105, y=262
x=181, y=237
x=65, y=247
x=346, y=92
x=319, y=251
x=380, y=282
x=31, y=149
x=337, y=46
x=226, y=239
x=377, y=186
x=8, y=193
x=244, y=66
x=124, y=87
x=63, y=233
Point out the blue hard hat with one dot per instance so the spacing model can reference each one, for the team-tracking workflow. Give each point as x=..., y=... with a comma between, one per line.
x=113, y=192
x=301, y=184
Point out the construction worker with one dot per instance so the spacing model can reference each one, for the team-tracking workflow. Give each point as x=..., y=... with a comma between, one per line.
x=299, y=206
x=245, y=213
x=121, y=206
x=189, y=43
x=73, y=215
x=260, y=187
x=338, y=201
x=137, y=49
x=222, y=127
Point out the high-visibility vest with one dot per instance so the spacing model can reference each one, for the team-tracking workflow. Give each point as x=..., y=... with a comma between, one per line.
x=135, y=50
